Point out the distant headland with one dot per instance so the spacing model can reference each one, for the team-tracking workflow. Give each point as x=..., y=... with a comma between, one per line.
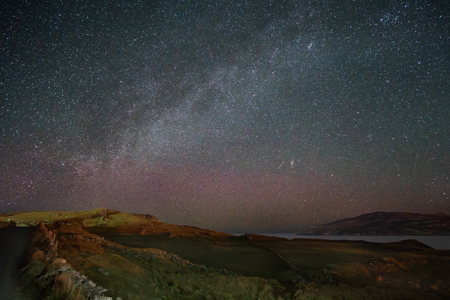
x=386, y=223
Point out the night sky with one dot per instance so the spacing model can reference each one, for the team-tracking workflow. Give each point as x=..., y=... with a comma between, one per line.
x=241, y=116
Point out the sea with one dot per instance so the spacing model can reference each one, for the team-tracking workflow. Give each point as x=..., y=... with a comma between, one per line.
x=439, y=242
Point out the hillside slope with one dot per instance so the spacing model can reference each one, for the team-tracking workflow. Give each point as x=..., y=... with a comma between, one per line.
x=104, y=218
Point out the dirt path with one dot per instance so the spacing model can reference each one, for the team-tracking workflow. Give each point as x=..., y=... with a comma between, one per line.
x=13, y=244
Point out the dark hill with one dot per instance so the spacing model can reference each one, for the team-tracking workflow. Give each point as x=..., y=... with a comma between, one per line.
x=386, y=223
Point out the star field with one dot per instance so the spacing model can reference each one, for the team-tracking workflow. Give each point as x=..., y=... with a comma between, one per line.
x=252, y=116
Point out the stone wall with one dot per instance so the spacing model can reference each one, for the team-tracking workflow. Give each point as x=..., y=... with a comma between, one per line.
x=43, y=252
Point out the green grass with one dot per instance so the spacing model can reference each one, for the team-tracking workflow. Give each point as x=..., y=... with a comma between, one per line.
x=50, y=216
x=132, y=277
x=90, y=218
x=236, y=254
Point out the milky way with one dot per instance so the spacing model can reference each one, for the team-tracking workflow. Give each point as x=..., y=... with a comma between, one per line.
x=248, y=116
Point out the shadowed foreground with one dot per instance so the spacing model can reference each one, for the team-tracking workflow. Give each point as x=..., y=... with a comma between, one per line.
x=13, y=245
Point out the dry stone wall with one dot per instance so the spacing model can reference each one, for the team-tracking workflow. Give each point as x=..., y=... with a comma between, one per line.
x=44, y=249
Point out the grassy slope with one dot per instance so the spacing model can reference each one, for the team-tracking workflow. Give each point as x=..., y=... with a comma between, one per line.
x=397, y=267
x=147, y=273
x=143, y=277
x=237, y=254
x=49, y=216
x=122, y=222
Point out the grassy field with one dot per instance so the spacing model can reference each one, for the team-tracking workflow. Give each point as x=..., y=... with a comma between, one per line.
x=91, y=218
x=49, y=216
x=137, y=277
x=389, y=268
x=236, y=254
